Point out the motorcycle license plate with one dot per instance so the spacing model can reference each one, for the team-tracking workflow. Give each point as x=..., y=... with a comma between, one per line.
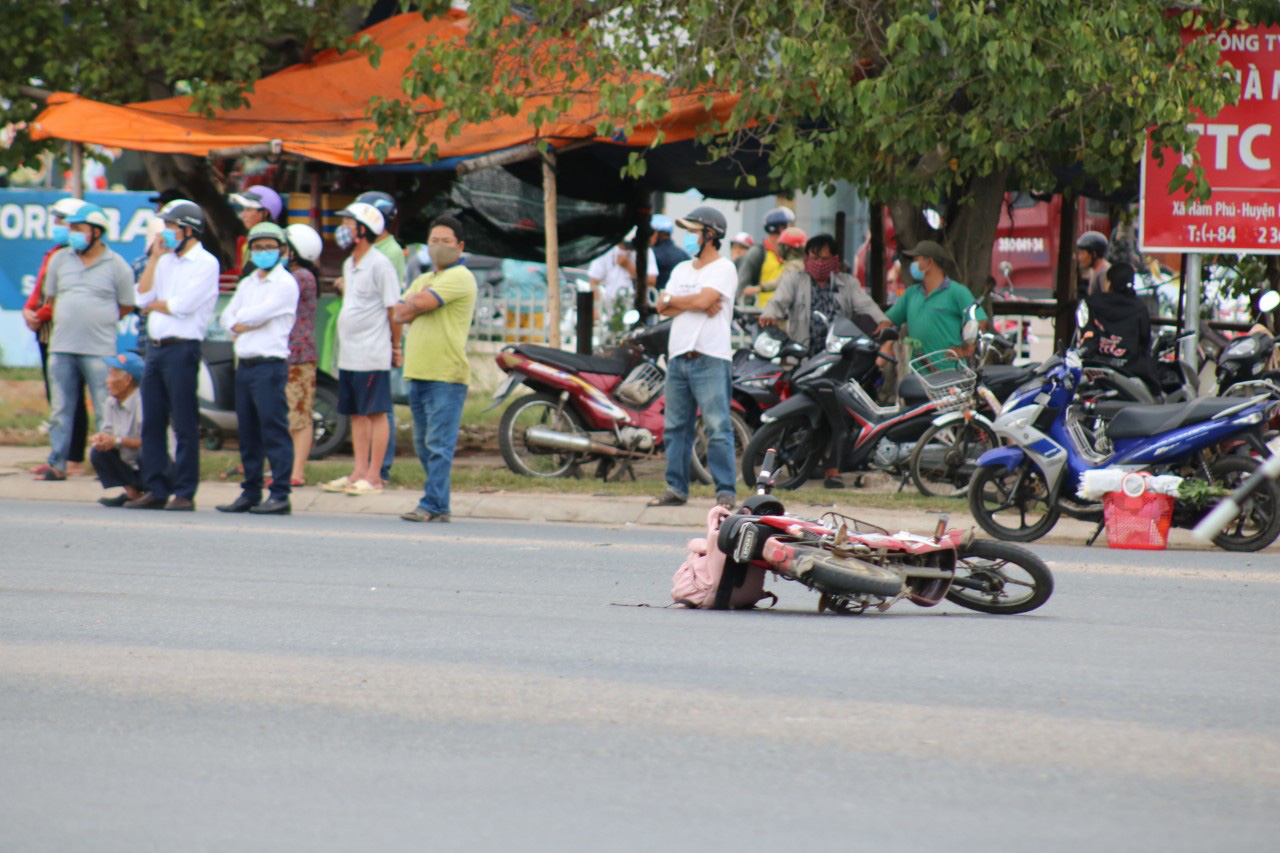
x=746, y=543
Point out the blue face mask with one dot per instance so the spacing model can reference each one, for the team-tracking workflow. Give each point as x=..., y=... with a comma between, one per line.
x=171, y=239
x=343, y=237
x=59, y=234
x=78, y=240
x=265, y=259
x=917, y=274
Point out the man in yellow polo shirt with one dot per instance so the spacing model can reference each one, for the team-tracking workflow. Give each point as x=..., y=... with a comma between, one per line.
x=437, y=311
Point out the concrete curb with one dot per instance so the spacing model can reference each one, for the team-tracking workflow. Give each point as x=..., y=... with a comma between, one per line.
x=608, y=511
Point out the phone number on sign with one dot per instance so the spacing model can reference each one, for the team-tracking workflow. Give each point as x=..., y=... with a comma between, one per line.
x=1206, y=233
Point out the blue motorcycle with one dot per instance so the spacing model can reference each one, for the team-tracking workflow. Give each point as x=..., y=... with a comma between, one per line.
x=1019, y=491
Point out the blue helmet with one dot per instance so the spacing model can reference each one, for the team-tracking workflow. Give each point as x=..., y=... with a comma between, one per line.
x=90, y=214
x=662, y=223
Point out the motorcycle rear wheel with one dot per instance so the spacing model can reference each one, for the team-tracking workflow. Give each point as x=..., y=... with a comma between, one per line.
x=999, y=497
x=801, y=448
x=943, y=460
x=537, y=410
x=1258, y=524
x=842, y=576
x=1000, y=566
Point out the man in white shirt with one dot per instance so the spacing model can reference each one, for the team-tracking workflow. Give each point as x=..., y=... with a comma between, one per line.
x=260, y=318
x=699, y=296
x=177, y=293
x=616, y=270
x=368, y=347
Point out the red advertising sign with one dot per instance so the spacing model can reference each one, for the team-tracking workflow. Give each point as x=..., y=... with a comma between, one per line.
x=1240, y=152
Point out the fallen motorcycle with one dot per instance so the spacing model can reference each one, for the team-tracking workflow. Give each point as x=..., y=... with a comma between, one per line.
x=854, y=566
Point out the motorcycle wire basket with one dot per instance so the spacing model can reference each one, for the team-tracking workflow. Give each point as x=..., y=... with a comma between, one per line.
x=642, y=385
x=835, y=519
x=947, y=380
x=1137, y=522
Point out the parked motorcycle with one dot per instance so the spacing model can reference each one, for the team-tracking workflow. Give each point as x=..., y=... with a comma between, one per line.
x=1242, y=367
x=855, y=566
x=832, y=394
x=605, y=408
x=1019, y=491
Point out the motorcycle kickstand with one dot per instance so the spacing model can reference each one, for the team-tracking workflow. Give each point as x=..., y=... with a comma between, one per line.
x=902, y=481
x=1096, y=533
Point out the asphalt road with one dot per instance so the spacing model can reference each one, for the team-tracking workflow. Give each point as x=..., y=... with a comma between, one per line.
x=203, y=682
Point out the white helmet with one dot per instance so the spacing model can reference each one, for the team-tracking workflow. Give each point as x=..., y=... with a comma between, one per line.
x=305, y=241
x=64, y=207
x=366, y=214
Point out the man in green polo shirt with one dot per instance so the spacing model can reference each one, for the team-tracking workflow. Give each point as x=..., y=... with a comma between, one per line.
x=437, y=309
x=932, y=308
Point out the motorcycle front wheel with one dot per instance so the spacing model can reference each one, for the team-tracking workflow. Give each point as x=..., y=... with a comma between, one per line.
x=801, y=447
x=997, y=577
x=1013, y=505
x=943, y=460
x=1258, y=523
x=542, y=410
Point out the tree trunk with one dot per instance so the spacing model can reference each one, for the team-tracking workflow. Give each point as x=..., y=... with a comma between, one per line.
x=971, y=230
x=194, y=177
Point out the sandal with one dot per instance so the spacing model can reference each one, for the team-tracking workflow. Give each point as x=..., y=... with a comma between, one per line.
x=52, y=475
x=668, y=498
x=297, y=481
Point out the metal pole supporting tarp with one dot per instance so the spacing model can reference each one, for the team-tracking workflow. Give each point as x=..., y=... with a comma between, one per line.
x=552, y=237
x=1191, y=311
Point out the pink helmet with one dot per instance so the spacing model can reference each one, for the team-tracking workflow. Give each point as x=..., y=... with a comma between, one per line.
x=261, y=197
x=742, y=238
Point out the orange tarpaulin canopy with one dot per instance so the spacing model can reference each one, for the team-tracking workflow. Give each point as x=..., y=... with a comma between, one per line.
x=318, y=109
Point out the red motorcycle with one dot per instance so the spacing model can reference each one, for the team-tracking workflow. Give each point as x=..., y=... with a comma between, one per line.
x=606, y=408
x=855, y=566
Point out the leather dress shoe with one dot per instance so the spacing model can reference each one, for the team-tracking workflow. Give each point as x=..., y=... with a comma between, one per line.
x=177, y=503
x=275, y=506
x=244, y=503
x=119, y=500
x=147, y=501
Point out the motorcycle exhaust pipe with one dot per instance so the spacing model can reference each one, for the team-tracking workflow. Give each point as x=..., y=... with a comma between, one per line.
x=543, y=437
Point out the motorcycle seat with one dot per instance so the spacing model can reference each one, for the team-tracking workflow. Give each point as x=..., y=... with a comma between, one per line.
x=612, y=364
x=911, y=389
x=1141, y=421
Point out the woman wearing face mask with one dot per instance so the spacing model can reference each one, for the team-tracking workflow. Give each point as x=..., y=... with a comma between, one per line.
x=260, y=318
x=437, y=308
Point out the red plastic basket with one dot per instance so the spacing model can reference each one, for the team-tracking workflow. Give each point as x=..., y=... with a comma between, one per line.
x=1140, y=522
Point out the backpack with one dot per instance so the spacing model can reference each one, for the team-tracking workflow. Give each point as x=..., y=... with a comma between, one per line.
x=707, y=580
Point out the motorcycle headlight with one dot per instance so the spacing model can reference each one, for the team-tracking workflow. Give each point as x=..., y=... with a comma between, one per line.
x=767, y=346
x=1245, y=347
x=835, y=343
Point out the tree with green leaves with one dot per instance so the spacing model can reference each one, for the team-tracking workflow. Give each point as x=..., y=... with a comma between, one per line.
x=922, y=103
x=122, y=52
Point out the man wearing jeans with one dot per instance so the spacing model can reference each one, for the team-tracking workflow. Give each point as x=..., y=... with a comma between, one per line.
x=699, y=296
x=177, y=292
x=438, y=308
x=90, y=287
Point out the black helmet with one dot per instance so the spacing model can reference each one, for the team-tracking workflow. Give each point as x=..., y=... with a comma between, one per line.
x=1092, y=241
x=186, y=214
x=708, y=218
x=385, y=204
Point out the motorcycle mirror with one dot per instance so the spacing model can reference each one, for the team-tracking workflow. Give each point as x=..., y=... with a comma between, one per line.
x=631, y=317
x=1082, y=315
x=1269, y=301
x=971, y=325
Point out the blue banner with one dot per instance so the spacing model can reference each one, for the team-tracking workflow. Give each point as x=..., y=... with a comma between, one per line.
x=24, y=239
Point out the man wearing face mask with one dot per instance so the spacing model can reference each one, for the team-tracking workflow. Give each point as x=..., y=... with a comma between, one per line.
x=177, y=292
x=260, y=317
x=438, y=307
x=700, y=296
x=37, y=313
x=90, y=288
x=933, y=308
x=810, y=298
